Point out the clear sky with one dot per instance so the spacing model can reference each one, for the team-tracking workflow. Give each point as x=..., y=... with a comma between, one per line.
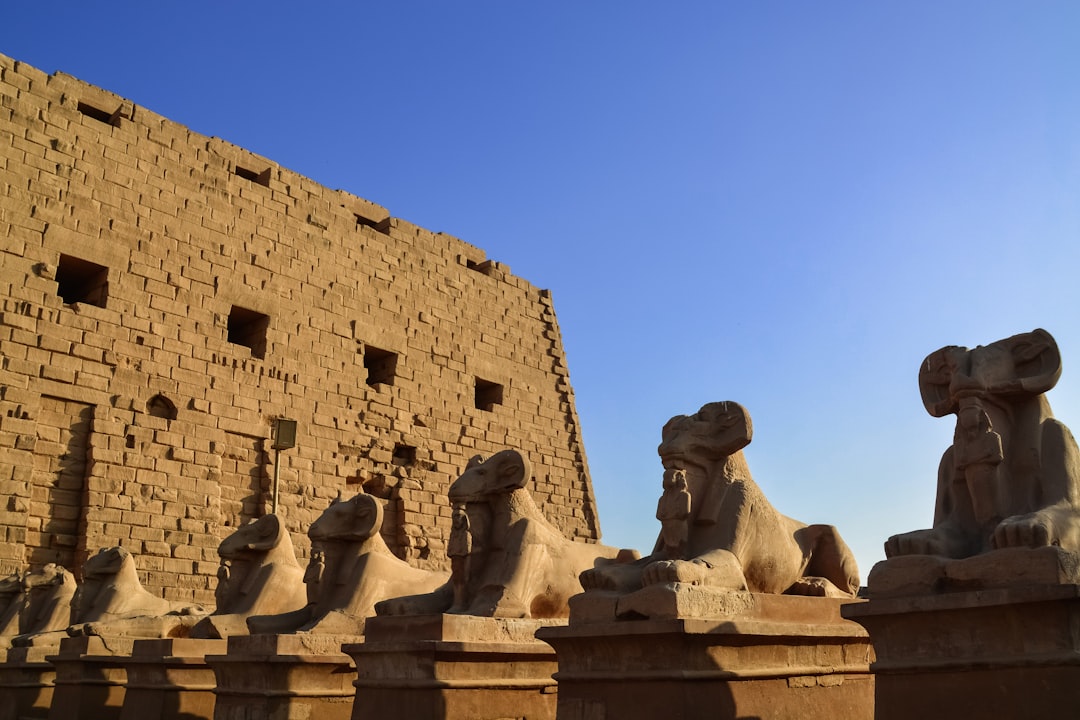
x=785, y=204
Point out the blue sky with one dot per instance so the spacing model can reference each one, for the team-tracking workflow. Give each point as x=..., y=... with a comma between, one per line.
x=785, y=204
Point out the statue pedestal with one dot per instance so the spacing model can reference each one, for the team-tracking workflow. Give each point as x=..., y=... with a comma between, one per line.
x=27, y=681
x=703, y=653
x=997, y=653
x=90, y=678
x=169, y=679
x=456, y=667
x=270, y=676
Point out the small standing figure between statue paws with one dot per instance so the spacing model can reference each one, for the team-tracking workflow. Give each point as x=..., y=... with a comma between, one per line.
x=673, y=512
x=313, y=576
x=459, y=548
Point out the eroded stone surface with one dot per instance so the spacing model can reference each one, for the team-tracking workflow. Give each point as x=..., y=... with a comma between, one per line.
x=351, y=569
x=509, y=561
x=1011, y=478
x=719, y=529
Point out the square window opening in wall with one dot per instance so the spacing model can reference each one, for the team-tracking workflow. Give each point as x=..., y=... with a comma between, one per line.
x=248, y=328
x=488, y=395
x=484, y=268
x=381, y=366
x=81, y=281
x=259, y=178
x=404, y=455
x=103, y=116
x=381, y=226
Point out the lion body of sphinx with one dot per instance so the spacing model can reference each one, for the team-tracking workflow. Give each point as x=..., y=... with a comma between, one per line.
x=518, y=564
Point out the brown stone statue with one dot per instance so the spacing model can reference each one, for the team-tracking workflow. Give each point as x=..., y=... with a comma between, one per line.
x=258, y=575
x=1012, y=475
x=350, y=570
x=112, y=601
x=111, y=589
x=735, y=538
x=519, y=565
x=12, y=596
x=48, y=605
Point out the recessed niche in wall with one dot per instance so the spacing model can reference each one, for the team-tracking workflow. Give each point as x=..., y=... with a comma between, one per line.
x=248, y=328
x=81, y=281
x=160, y=406
x=488, y=394
x=381, y=365
x=259, y=178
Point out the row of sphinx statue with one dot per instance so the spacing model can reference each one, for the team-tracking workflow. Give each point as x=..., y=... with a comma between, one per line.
x=1010, y=479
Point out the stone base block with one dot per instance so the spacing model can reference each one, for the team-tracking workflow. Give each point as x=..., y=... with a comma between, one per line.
x=457, y=667
x=170, y=680
x=284, y=676
x=758, y=656
x=27, y=681
x=90, y=678
x=997, y=653
x=909, y=575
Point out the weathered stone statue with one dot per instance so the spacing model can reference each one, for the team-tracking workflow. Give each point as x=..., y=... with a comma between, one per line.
x=976, y=616
x=519, y=565
x=112, y=601
x=11, y=602
x=258, y=575
x=350, y=570
x=111, y=590
x=48, y=605
x=735, y=538
x=1012, y=475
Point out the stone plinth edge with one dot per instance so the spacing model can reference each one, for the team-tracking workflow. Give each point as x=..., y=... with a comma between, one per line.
x=918, y=575
x=983, y=654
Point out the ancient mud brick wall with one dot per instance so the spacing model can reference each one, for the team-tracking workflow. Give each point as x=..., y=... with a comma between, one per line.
x=167, y=296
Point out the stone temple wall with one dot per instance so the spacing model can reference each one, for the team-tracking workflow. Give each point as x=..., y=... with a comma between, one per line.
x=165, y=297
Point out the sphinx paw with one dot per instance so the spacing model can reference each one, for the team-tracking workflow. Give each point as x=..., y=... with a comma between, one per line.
x=919, y=542
x=816, y=587
x=673, y=571
x=1032, y=530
